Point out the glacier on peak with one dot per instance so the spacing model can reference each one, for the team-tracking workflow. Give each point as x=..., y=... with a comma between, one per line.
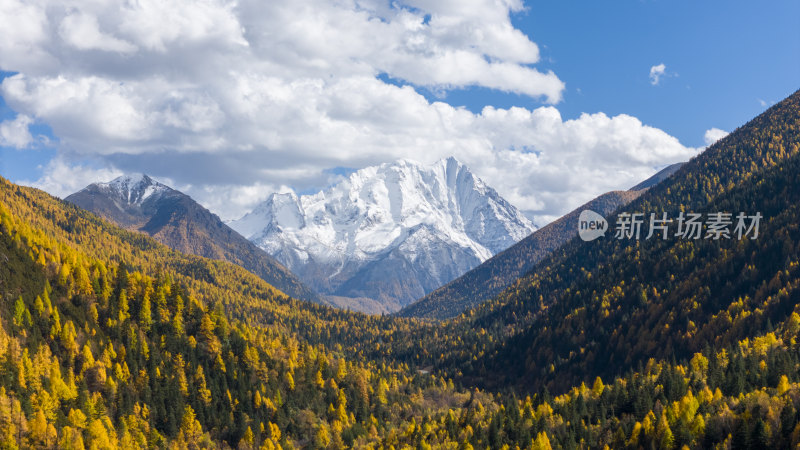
x=392, y=232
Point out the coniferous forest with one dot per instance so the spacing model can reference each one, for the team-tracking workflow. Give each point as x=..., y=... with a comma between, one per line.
x=109, y=339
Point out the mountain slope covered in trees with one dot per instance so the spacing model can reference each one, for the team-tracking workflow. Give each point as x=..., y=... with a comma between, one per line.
x=612, y=303
x=110, y=339
x=98, y=354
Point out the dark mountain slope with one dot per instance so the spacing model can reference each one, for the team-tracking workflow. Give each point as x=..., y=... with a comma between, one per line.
x=602, y=307
x=176, y=220
x=670, y=299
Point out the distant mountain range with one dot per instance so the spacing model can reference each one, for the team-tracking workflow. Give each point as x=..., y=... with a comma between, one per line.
x=390, y=233
x=491, y=277
x=375, y=242
x=173, y=218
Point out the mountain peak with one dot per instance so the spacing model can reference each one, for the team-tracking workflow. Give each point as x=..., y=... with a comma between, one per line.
x=430, y=223
x=132, y=178
x=134, y=188
x=451, y=160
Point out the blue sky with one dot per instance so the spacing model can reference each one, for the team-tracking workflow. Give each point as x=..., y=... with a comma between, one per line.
x=23, y=164
x=281, y=97
x=725, y=60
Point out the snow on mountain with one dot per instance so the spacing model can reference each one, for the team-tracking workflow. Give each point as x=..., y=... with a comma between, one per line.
x=392, y=232
x=134, y=188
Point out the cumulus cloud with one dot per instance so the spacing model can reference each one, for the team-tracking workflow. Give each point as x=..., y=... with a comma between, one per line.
x=23, y=36
x=82, y=31
x=656, y=72
x=230, y=101
x=63, y=177
x=15, y=133
x=712, y=135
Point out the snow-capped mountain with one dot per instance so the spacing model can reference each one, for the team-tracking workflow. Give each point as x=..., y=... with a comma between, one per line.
x=139, y=203
x=391, y=233
x=135, y=188
x=124, y=199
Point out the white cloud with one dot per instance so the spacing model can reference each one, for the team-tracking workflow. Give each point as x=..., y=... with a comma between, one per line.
x=62, y=177
x=15, y=133
x=534, y=158
x=712, y=135
x=82, y=31
x=231, y=100
x=229, y=201
x=159, y=25
x=765, y=103
x=89, y=111
x=23, y=36
x=656, y=72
